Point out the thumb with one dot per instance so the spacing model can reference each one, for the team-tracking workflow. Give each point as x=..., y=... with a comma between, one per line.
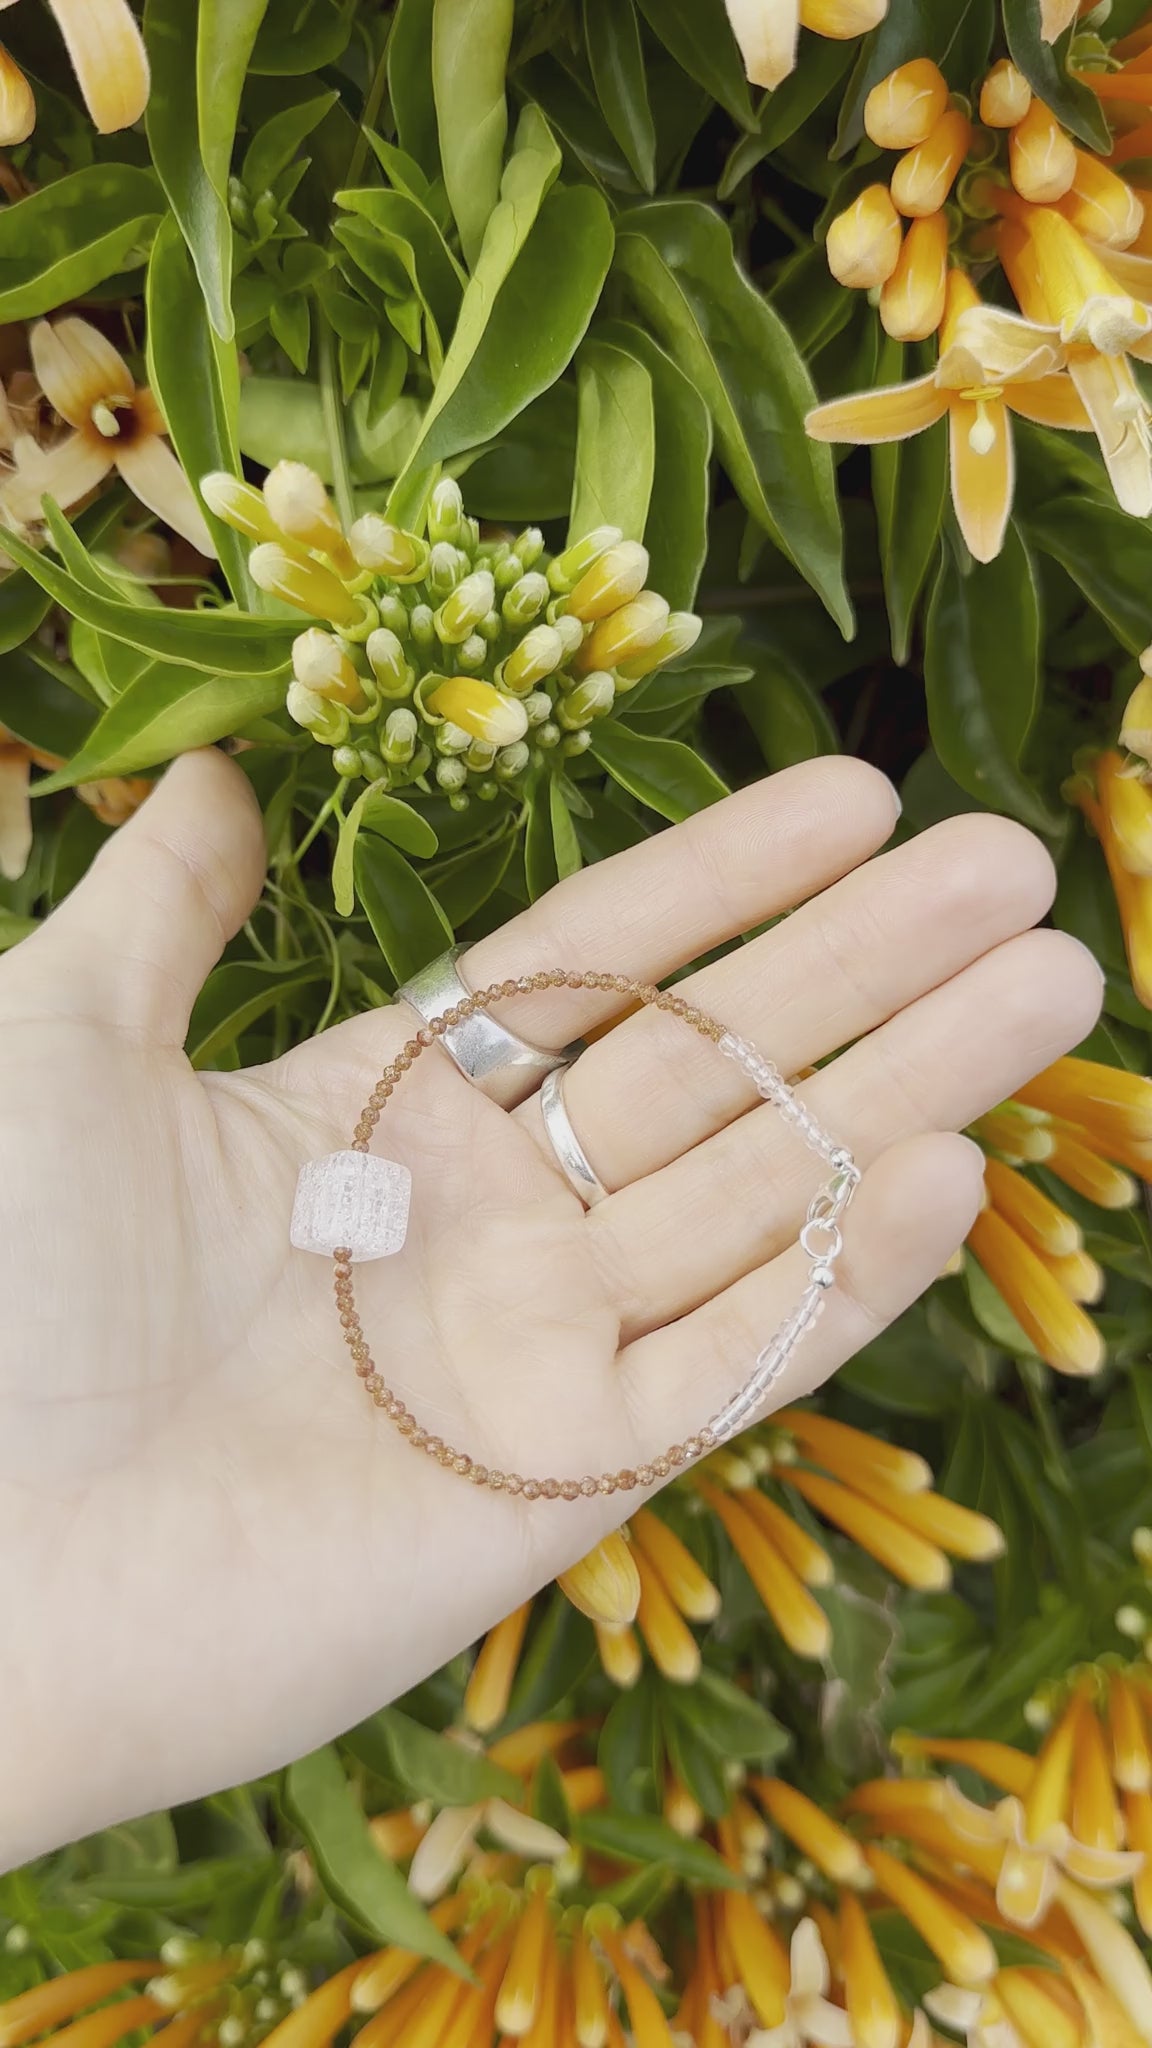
x=135, y=940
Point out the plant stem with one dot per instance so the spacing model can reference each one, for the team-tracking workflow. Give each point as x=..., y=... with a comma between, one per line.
x=333, y=410
x=372, y=106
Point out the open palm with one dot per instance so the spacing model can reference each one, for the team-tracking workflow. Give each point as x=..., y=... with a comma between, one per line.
x=219, y=1554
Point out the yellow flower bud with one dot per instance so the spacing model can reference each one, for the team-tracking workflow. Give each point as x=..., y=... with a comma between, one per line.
x=401, y=732
x=1136, y=730
x=387, y=661
x=1101, y=205
x=625, y=634
x=605, y=1585
x=478, y=709
x=387, y=549
x=679, y=637
x=1005, y=96
x=568, y=568
x=592, y=698
x=912, y=301
x=617, y=576
x=539, y=654
x=1041, y=156
x=300, y=505
x=324, y=721
x=1128, y=804
x=863, y=245
x=17, y=102
x=320, y=663
x=905, y=107
x=307, y=585
x=841, y=20
x=238, y=504
x=462, y=611
x=924, y=177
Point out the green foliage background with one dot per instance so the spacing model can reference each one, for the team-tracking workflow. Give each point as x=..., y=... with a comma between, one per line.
x=295, y=252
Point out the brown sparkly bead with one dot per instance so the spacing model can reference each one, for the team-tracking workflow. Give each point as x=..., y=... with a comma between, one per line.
x=626, y=1479
x=418, y=1439
x=524, y=984
x=531, y=1489
x=513, y=1483
x=675, y=1454
x=496, y=1482
x=438, y=1027
x=348, y=1322
x=550, y=1488
x=363, y=1367
x=570, y=1489
x=391, y=1073
x=373, y=1382
x=644, y=1475
x=451, y=1015
x=405, y=1423
x=479, y=1475
x=343, y=1257
x=424, y=1036
x=574, y=980
x=706, y=1440
x=434, y=1446
x=557, y=978
x=589, y=1486
x=692, y=1447
x=539, y=981
x=661, y=1467
x=508, y=988
x=462, y=1464
x=606, y=1483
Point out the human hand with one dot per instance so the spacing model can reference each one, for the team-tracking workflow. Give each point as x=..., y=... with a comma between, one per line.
x=219, y=1555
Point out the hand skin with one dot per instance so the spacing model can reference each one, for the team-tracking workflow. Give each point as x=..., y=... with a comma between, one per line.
x=218, y=1554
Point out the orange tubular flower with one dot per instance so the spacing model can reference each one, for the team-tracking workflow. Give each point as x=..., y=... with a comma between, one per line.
x=863, y=245
x=923, y=179
x=1133, y=892
x=963, y=1949
x=1041, y=156
x=873, y=2008
x=1063, y=1335
x=991, y=364
x=913, y=299
x=116, y=424
x=490, y=1686
x=800, y=1620
x=904, y=108
x=825, y=1843
x=605, y=1585
x=670, y=1642
x=1102, y=206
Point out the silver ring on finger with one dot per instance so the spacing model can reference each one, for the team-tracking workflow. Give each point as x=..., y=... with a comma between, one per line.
x=566, y=1148
x=502, y=1065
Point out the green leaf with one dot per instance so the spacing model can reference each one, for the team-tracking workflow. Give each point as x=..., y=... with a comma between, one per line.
x=615, y=442
x=377, y=811
x=167, y=710
x=527, y=180
x=358, y=1879
x=470, y=44
x=300, y=36
x=664, y=774
x=566, y=846
x=24, y=604
x=236, y=996
x=410, y=90
x=285, y=416
x=196, y=378
x=676, y=530
x=225, y=35
x=728, y=1719
x=678, y=261
x=275, y=143
x=427, y=1765
x=982, y=677
x=916, y=28
x=628, y=1748
x=396, y=216
x=560, y=1649
x=170, y=31
x=820, y=67
x=616, y=58
x=410, y=926
x=909, y=482
x=222, y=643
x=58, y=244
x=14, y=928
x=182, y=1890
x=1045, y=66
x=640, y=1838
x=1107, y=553
x=786, y=714
x=698, y=34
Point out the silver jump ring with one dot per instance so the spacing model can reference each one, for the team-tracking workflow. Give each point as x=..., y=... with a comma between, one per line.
x=504, y=1067
x=569, y=1153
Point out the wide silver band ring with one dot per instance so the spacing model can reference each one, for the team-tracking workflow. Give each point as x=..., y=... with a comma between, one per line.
x=571, y=1157
x=504, y=1067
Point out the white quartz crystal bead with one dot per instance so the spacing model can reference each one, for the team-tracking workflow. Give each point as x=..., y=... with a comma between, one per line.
x=353, y=1200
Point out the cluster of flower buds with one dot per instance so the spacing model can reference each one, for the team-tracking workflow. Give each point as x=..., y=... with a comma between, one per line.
x=453, y=662
x=895, y=238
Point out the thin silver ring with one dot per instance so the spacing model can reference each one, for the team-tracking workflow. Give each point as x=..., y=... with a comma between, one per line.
x=504, y=1067
x=570, y=1155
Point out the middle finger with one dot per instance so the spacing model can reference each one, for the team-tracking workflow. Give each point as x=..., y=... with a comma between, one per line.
x=888, y=933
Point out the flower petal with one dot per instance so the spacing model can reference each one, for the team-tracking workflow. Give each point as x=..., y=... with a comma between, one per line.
x=891, y=414
x=440, y=1856
x=954, y=2006
x=17, y=102
x=827, y=2026
x=983, y=473
x=1056, y=16
x=67, y=473
x=1119, y=418
x=810, y=1973
x=1117, y=1960
x=1051, y=402
x=1102, y=1869
x=15, y=812
x=108, y=57
x=767, y=32
x=149, y=468
x=1026, y=1885
x=77, y=367
x=1006, y=347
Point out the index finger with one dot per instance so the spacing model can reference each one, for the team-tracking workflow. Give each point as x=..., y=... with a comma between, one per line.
x=663, y=903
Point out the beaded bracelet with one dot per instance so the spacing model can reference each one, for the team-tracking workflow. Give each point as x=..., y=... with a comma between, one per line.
x=354, y=1206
